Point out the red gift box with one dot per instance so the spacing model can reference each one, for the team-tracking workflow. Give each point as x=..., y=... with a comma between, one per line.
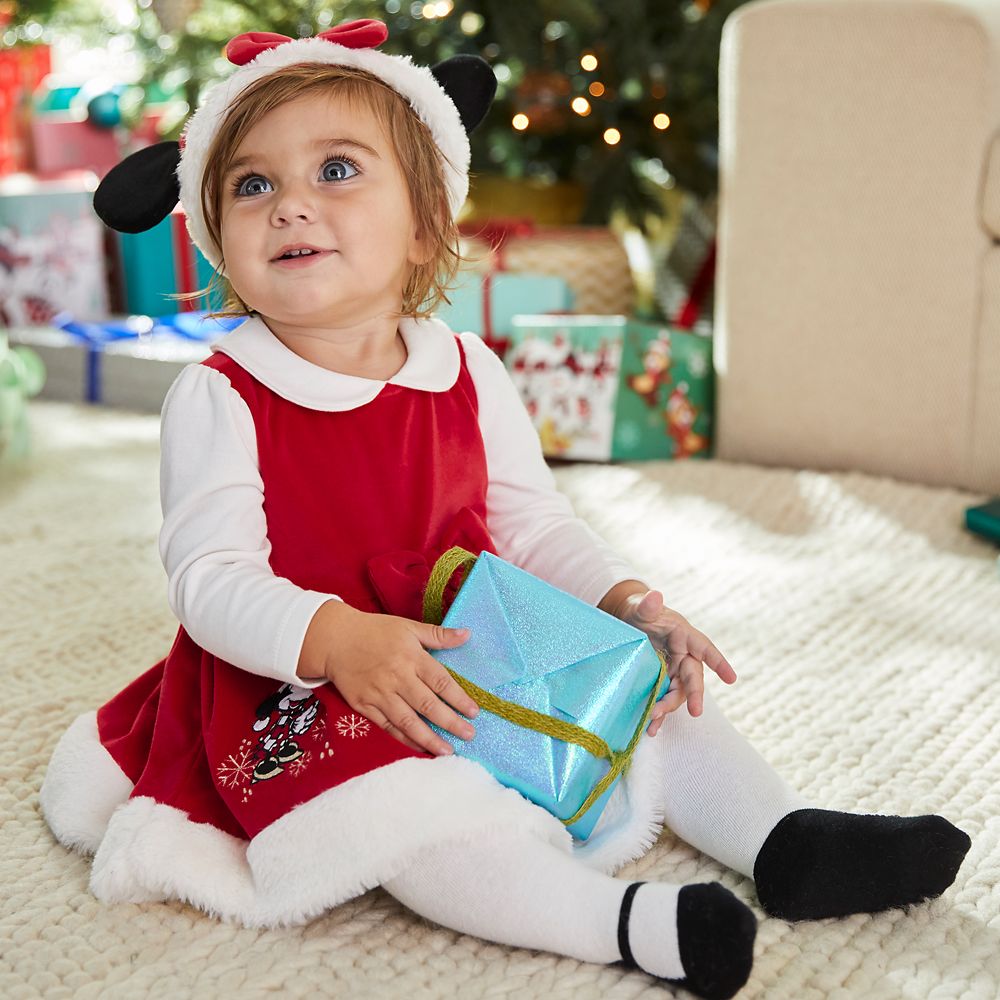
x=22, y=68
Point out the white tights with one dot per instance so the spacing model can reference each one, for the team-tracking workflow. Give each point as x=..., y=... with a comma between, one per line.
x=724, y=799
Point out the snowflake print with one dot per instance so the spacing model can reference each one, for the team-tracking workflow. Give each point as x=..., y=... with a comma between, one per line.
x=698, y=365
x=629, y=434
x=298, y=766
x=352, y=725
x=317, y=729
x=237, y=768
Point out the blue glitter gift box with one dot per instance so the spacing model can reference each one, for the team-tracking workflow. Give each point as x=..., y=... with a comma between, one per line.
x=564, y=689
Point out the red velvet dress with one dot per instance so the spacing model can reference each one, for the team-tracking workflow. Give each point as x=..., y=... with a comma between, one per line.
x=359, y=503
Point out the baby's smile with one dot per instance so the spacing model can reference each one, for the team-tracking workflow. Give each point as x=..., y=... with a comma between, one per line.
x=299, y=255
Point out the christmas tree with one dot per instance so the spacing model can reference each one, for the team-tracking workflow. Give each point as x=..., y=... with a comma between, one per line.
x=618, y=99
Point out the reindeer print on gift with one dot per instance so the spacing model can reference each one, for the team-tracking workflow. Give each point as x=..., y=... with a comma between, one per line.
x=655, y=372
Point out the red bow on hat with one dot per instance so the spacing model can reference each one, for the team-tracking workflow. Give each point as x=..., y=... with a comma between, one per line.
x=365, y=34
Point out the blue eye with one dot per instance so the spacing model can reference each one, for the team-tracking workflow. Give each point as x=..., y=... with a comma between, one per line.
x=339, y=169
x=253, y=184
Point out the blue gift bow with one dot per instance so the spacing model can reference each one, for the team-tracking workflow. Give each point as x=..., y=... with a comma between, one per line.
x=191, y=325
x=94, y=336
x=197, y=325
x=433, y=613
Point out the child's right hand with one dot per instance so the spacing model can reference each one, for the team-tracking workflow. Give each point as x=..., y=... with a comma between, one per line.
x=381, y=668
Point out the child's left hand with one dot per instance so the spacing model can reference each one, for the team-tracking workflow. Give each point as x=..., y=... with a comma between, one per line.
x=686, y=649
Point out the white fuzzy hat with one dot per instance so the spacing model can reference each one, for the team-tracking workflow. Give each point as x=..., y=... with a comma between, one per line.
x=450, y=98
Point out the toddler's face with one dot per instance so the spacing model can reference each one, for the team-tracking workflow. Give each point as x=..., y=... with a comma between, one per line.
x=317, y=228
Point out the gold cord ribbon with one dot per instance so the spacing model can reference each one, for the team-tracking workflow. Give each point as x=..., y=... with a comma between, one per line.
x=458, y=558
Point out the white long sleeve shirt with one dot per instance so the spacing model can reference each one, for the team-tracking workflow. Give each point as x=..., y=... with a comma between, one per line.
x=214, y=543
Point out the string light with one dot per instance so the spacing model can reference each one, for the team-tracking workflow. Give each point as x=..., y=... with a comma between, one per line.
x=588, y=62
x=520, y=122
x=581, y=106
x=661, y=121
x=441, y=9
x=612, y=136
x=596, y=88
x=472, y=23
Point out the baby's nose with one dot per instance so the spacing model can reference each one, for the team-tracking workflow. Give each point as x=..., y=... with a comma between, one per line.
x=293, y=204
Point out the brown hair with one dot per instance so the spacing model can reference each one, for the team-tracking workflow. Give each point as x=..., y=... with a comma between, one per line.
x=416, y=152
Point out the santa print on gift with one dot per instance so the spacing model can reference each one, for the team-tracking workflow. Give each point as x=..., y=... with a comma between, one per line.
x=567, y=392
x=29, y=275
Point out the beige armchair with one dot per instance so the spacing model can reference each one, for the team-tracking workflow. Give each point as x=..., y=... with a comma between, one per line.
x=858, y=296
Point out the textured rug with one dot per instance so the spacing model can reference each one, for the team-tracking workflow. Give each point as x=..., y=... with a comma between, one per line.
x=863, y=621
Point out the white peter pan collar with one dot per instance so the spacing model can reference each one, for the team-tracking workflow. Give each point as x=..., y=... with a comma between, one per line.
x=431, y=364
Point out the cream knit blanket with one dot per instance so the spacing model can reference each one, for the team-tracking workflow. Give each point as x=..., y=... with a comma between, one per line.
x=863, y=621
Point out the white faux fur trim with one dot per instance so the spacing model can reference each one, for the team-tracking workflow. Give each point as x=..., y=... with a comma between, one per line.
x=633, y=818
x=152, y=852
x=416, y=83
x=327, y=850
x=372, y=826
x=82, y=787
x=322, y=853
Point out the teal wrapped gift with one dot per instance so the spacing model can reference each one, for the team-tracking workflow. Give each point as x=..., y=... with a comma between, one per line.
x=160, y=263
x=565, y=690
x=487, y=305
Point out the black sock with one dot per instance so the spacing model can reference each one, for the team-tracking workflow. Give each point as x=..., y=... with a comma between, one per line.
x=818, y=863
x=715, y=935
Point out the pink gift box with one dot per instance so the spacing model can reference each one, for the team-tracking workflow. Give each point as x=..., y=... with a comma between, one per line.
x=62, y=143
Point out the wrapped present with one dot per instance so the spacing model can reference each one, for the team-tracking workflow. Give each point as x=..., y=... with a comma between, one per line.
x=565, y=689
x=487, y=304
x=60, y=142
x=162, y=262
x=51, y=249
x=984, y=520
x=72, y=352
x=685, y=271
x=129, y=363
x=136, y=373
x=605, y=388
x=592, y=260
x=22, y=67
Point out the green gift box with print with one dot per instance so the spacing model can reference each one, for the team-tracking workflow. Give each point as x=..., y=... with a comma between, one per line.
x=612, y=388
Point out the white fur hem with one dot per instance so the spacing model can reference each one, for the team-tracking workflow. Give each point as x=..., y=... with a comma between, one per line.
x=327, y=850
x=82, y=787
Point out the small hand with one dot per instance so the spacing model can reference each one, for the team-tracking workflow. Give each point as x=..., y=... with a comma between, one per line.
x=686, y=649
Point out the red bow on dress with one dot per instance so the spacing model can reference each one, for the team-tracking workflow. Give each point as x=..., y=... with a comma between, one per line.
x=365, y=34
x=400, y=578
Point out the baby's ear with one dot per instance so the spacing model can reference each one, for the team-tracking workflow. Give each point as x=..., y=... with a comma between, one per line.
x=470, y=83
x=141, y=190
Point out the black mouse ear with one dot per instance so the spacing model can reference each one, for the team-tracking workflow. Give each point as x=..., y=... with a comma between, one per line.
x=470, y=83
x=141, y=190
